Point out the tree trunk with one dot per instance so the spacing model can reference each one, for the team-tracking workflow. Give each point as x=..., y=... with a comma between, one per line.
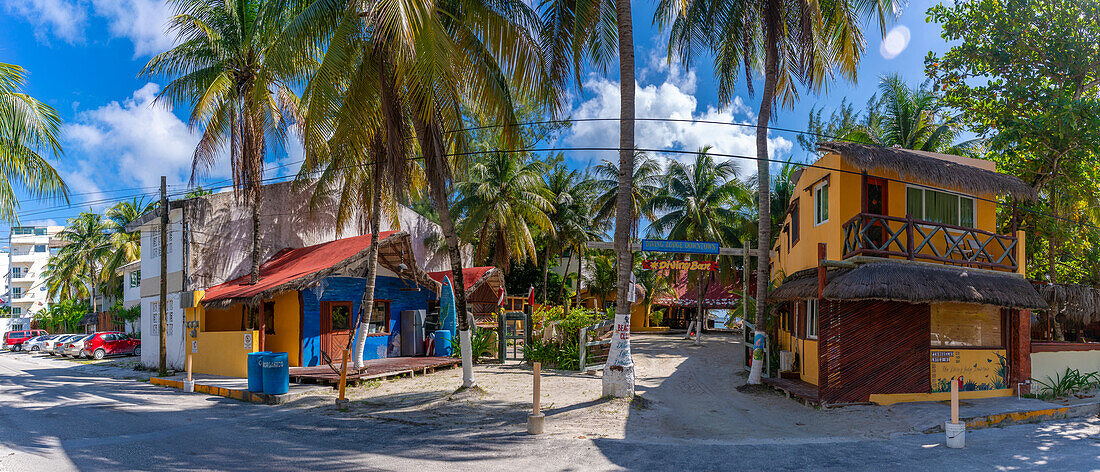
x=764, y=186
x=618, y=378
x=580, y=267
x=366, y=308
x=545, y=274
x=568, y=264
x=254, y=275
x=1056, y=324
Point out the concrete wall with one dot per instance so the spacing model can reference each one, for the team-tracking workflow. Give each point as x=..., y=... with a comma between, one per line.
x=1046, y=365
x=150, y=332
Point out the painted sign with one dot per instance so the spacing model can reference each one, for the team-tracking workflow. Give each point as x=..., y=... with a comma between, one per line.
x=979, y=369
x=758, y=341
x=683, y=247
x=248, y=340
x=679, y=265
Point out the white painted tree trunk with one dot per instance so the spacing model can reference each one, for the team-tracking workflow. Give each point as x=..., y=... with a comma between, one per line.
x=467, y=351
x=618, y=375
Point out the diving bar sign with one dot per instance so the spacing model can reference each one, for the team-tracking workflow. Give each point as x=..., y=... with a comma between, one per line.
x=682, y=247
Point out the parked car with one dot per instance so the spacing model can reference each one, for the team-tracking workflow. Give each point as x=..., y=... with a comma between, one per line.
x=14, y=339
x=110, y=343
x=36, y=343
x=74, y=347
x=53, y=346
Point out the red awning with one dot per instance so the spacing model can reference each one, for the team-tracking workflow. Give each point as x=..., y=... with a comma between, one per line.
x=470, y=276
x=289, y=265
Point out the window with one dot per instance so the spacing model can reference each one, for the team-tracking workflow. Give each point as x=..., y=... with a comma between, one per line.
x=16, y=310
x=341, y=317
x=17, y=292
x=811, y=319
x=16, y=272
x=39, y=248
x=965, y=325
x=135, y=278
x=794, y=223
x=940, y=207
x=39, y=231
x=380, y=317
x=821, y=203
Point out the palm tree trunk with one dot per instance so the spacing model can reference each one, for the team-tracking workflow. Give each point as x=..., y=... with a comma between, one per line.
x=367, y=305
x=618, y=378
x=580, y=260
x=545, y=274
x=764, y=184
x=568, y=264
x=254, y=274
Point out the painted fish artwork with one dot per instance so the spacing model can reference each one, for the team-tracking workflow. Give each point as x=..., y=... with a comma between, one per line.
x=447, y=318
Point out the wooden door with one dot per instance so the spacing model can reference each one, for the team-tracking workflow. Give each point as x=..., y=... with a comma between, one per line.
x=336, y=321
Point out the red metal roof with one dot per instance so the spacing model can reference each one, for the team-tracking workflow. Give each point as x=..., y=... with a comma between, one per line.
x=719, y=295
x=289, y=265
x=470, y=276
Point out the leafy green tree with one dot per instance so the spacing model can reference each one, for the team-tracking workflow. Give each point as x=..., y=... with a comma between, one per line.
x=230, y=67
x=28, y=128
x=126, y=245
x=83, y=257
x=791, y=43
x=570, y=192
x=701, y=201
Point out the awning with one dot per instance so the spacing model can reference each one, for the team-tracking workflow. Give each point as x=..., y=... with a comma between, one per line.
x=719, y=294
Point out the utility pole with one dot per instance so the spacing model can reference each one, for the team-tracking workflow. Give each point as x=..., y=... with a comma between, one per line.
x=163, y=275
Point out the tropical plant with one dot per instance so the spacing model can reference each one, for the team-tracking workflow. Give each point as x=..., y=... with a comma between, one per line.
x=230, y=67
x=646, y=182
x=84, y=257
x=62, y=317
x=483, y=344
x=502, y=203
x=570, y=214
x=601, y=282
x=587, y=31
x=126, y=244
x=1067, y=383
x=701, y=201
x=122, y=315
x=791, y=43
x=28, y=128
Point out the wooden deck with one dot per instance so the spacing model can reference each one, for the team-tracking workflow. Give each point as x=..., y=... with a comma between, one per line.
x=803, y=391
x=373, y=369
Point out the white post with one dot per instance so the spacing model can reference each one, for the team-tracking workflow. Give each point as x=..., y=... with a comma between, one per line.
x=536, y=421
x=466, y=349
x=956, y=431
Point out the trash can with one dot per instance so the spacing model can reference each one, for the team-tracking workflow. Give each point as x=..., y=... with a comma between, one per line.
x=276, y=373
x=443, y=343
x=256, y=371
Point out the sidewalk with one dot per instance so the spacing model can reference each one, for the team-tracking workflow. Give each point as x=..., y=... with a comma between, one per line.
x=236, y=388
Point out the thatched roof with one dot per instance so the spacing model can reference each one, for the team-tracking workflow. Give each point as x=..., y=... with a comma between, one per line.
x=929, y=169
x=914, y=283
x=1079, y=303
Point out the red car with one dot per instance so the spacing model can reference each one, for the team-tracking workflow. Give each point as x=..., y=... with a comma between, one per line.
x=111, y=343
x=14, y=339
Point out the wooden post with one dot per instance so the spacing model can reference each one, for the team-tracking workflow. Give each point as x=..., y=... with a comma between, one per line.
x=343, y=376
x=909, y=236
x=955, y=401
x=821, y=256
x=536, y=421
x=189, y=365
x=536, y=389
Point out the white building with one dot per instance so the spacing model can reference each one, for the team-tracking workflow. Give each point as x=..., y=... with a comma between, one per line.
x=29, y=251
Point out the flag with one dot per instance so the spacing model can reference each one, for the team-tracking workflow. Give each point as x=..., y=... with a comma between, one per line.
x=531, y=296
x=500, y=302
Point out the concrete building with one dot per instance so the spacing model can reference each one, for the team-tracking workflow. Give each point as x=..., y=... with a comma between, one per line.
x=209, y=243
x=29, y=251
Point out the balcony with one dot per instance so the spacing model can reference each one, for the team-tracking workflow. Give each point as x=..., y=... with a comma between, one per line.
x=874, y=235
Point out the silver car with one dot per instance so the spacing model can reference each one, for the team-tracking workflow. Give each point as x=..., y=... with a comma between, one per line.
x=74, y=346
x=37, y=343
x=52, y=345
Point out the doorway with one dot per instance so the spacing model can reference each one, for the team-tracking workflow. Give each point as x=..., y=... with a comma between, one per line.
x=874, y=193
x=335, y=329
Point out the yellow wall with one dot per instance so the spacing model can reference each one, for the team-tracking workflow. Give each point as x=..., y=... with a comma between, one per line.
x=807, y=355
x=986, y=369
x=892, y=398
x=845, y=201
x=288, y=328
x=1045, y=365
x=222, y=352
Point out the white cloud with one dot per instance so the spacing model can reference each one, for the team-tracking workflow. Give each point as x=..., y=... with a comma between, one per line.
x=671, y=99
x=143, y=22
x=136, y=140
x=60, y=18
x=895, y=42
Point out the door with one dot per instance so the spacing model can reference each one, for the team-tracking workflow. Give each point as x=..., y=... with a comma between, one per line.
x=109, y=343
x=875, y=193
x=335, y=328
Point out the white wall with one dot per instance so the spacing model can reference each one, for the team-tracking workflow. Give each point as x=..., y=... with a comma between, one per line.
x=150, y=332
x=1048, y=364
x=131, y=294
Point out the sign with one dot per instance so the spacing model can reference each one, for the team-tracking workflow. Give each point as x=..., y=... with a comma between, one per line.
x=683, y=247
x=679, y=265
x=194, y=347
x=248, y=341
x=979, y=369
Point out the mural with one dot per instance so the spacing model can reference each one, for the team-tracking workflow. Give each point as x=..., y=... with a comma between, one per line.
x=980, y=369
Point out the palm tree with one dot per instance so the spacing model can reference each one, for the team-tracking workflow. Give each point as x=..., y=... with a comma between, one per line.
x=587, y=31
x=646, y=182
x=792, y=42
x=28, y=128
x=501, y=202
x=444, y=61
x=570, y=214
x=910, y=118
x=231, y=68
x=85, y=254
x=126, y=246
x=701, y=201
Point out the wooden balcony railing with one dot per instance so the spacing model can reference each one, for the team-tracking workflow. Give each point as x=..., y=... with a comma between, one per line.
x=869, y=234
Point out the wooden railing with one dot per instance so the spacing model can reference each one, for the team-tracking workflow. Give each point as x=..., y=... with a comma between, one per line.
x=868, y=234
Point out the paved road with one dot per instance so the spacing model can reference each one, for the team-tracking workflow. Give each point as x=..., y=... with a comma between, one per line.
x=58, y=419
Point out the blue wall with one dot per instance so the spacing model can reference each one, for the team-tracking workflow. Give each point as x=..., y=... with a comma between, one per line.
x=351, y=289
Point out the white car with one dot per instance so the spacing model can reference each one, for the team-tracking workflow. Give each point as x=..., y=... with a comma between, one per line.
x=37, y=343
x=74, y=346
x=52, y=345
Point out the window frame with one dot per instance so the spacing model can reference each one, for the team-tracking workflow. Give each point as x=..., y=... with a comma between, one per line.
x=812, y=318
x=958, y=195
x=820, y=203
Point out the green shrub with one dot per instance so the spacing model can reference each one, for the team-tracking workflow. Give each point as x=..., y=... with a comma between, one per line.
x=1065, y=384
x=483, y=343
x=551, y=354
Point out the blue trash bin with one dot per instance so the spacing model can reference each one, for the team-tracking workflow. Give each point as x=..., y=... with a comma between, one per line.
x=276, y=373
x=256, y=371
x=443, y=343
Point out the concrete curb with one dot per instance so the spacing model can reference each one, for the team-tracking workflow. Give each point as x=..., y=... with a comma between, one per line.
x=242, y=395
x=1020, y=417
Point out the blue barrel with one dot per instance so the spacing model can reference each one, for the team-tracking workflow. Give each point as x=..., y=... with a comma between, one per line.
x=276, y=373
x=443, y=343
x=256, y=371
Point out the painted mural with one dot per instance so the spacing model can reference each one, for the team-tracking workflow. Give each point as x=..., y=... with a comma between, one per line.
x=980, y=369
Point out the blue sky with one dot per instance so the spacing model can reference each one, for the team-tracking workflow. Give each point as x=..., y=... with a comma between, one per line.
x=84, y=58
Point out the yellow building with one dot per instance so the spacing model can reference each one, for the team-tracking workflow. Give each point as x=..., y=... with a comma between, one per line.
x=893, y=278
